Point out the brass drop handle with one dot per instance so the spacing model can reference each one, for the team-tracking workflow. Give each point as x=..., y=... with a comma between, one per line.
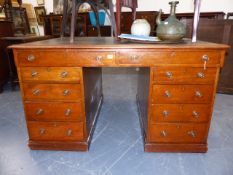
x=167, y=94
x=165, y=113
x=34, y=73
x=39, y=111
x=192, y=133
x=64, y=74
x=134, y=58
x=200, y=75
x=68, y=112
x=36, y=92
x=163, y=133
x=198, y=94
x=169, y=74
x=196, y=114
x=66, y=92
x=99, y=58
x=69, y=132
x=205, y=58
x=31, y=58
x=42, y=131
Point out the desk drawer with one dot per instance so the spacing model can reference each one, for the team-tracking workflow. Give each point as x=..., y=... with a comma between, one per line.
x=180, y=113
x=168, y=57
x=190, y=75
x=178, y=133
x=55, y=111
x=64, y=74
x=182, y=94
x=55, y=131
x=45, y=57
x=35, y=91
x=68, y=57
x=92, y=58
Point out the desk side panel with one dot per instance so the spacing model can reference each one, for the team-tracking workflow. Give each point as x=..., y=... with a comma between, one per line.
x=142, y=98
x=92, y=78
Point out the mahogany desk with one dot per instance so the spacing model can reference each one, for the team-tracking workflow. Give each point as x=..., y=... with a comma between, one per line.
x=10, y=40
x=61, y=86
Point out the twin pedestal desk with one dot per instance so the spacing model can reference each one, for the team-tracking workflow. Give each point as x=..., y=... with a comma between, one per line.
x=61, y=86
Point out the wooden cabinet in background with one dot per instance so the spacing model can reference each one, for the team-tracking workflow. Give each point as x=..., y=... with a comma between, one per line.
x=6, y=29
x=217, y=31
x=52, y=24
x=203, y=15
x=127, y=20
x=104, y=31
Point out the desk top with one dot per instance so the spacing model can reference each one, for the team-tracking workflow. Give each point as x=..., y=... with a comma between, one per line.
x=110, y=42
x=26, y=38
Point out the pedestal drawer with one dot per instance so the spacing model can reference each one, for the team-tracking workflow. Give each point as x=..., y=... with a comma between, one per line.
x=53, y=111
x=182, y=93
x=189, y=75
x=58, y=74
x=180, y=113
x=34, y=91
x=178, y=133
x=55, y=131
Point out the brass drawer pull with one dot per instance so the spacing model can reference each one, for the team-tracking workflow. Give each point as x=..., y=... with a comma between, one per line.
x=163, y=133
x=31, y=58
x=200, y=75
x=64, y=74
x=99, y=58
x=69, y=132
x=198, y=94
x=68, y=112
x=196, y=114
x=39, y=112
x=66, y=92
x=169, y=74
x=192, y=133
x=134, y=58
x=42, y=131
x=34, y=73
x=167, y=94
x=205, y=58
x=165, y=113
x=36, y=92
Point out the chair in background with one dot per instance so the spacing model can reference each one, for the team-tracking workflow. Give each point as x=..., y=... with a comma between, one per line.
x=95, y=6
x=132, y=4
x=230, y=14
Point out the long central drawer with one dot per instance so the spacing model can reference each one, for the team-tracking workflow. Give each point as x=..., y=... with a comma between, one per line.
x=131, y=57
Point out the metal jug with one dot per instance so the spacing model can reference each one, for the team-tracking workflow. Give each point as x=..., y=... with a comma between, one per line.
x=170, y=29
